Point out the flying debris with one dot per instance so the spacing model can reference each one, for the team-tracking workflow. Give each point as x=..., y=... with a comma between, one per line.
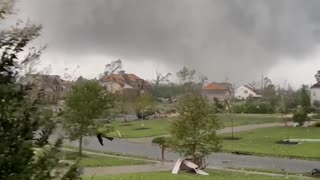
x=101, y=136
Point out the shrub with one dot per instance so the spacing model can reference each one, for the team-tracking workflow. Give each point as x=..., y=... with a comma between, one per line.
x=257, y=107
x=317, y=124
x=265, y=108
x=300, y=116
x=237, y=108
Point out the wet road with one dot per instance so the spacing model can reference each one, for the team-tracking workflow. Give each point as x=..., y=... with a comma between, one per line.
x=216, y=159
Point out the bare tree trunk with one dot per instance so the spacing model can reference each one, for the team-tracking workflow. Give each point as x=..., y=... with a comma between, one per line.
x=80, y=145
x=232, y=133
x=285, y=119
x=162, y=152
x=142, y=120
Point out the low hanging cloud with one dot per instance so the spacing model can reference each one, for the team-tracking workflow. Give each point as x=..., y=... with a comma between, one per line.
x=219, y=38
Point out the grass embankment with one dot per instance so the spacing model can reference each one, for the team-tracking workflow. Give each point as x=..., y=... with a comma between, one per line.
x=156, y=127
x=264, y=142
x=214, y=174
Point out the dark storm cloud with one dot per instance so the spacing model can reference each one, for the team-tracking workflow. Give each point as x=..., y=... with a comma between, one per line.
x=217, y=37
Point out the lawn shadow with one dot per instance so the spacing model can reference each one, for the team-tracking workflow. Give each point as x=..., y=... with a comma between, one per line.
x=229, y=138
x=141, y=128
x=240, y=153
x=286, y=142
x=125, y=124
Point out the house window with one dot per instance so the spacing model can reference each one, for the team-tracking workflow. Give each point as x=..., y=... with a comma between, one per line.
x=314, y=93
x=246, y=91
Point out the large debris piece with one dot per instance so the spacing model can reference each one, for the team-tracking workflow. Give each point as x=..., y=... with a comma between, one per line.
x=181, y=164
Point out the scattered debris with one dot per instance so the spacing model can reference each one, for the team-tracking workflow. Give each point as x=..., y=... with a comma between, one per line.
x=315, y=172
x=180, y=163
x=100, y=137
x=295, y=124
x=119, y=133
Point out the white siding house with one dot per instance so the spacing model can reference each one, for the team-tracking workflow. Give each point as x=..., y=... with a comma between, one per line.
x=245, y=91
x=315, y=93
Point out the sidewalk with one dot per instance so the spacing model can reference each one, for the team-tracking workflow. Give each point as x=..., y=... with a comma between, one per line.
x=102, y=171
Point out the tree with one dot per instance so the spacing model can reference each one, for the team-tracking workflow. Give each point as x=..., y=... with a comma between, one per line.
x=283, y=107
x=23, y=157
x=269, y=94
x=162, y=142
x=193, y=134
x=229, y=109
x=86, y=103
x=145, y=103
x=304, y=97
x=185, y=74
x=124, y=104
x=317, y=76
x=160, y=79
x=300, y=116
x=203, y=79
x=113, y=67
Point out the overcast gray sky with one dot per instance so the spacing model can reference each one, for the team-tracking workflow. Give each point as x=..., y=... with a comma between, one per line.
x=238, y=39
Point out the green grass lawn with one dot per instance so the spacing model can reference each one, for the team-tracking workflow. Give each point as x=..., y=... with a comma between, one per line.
x=263, y=141
x=102, y=161
x=155, y=127
x=216, y=175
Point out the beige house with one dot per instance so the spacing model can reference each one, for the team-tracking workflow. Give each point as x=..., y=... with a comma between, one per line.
x=124, y=83
x=218, y=91
x=51, y=87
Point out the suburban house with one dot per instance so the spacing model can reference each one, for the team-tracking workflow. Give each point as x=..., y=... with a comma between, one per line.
x=245, y=91
x=218, y=91
x=315, y=94
x=124, y=83
x=51, y=87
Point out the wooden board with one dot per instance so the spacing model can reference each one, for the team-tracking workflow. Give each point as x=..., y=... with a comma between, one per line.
x=176, y=167
x=190, y=164
x=200, y=172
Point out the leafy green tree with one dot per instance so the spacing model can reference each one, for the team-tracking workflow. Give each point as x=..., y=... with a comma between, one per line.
x=193, y=134
x=144, y=104
x=162, y=142
x=269, y=94
x=185, y=74
x=304, y=97
x=300, y=116
x=21, y=157
x=87, y=102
